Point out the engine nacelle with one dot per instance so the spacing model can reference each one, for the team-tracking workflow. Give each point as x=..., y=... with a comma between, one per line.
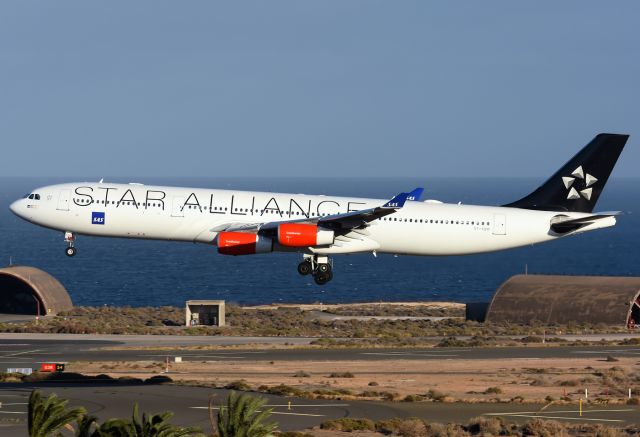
x=242, y=243
x=303, y=235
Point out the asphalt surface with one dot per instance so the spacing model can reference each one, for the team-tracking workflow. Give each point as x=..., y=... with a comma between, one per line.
x=33, y=352
x=190, y=405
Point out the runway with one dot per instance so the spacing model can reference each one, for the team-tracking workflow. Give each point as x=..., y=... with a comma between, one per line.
x=31, y=352
x=190, y=405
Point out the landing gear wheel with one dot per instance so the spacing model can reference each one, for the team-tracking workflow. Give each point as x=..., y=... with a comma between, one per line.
x=322, y=278
x=304, y=268
x=324, y=268
x=70, y=251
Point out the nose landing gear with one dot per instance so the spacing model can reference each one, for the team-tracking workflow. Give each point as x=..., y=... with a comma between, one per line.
x=70, y=239
x=318, y=266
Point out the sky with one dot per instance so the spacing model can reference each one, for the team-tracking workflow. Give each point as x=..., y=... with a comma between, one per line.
x=328, y=88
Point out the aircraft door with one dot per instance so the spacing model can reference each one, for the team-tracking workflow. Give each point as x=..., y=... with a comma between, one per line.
x=499, y=224
x=177, y=207
x=63, y=200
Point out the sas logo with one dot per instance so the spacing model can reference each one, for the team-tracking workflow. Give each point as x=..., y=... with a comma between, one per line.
x=97, y=218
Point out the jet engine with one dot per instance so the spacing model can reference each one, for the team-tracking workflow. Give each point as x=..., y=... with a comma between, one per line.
x=242, y=243
x=303, y=235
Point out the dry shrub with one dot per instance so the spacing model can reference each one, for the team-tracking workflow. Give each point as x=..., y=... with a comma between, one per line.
x=347, y=424
x=413, y=428
x=448, y=430
x=493, y=391
x=605, y=431
x=484, y=425
x=544, y=428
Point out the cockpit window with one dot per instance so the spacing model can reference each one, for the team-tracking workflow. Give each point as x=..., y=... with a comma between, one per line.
x=33, y=196
x=37, y=196
x=30, y=196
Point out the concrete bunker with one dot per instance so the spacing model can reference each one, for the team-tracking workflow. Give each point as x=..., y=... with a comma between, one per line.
x=31, y=291
x=551, y=299
x=205, y=312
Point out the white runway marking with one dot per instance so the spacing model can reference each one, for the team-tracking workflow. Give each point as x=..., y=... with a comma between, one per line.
x=547, y=414
x=562, y=411
x=198, y=356
x=298, y=414
x=404, y=354
x=13, y=354
x=3, y=404
x=273, y=412
x=292, y=406
x=13, y=412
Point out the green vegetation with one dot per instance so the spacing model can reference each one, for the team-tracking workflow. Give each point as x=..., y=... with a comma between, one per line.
x=47, y=416
x=241, y=416
x=244, y=416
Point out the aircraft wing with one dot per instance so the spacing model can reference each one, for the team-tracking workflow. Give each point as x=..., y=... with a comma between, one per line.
x=337, y=222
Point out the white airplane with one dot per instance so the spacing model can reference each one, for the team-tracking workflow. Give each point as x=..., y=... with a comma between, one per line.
x=244, y=223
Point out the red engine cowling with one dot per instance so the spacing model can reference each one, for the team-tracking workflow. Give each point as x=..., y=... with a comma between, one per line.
x=242, y=243
x=302, y=235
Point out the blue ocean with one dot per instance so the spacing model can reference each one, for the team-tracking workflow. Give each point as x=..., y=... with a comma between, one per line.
x=141, y=273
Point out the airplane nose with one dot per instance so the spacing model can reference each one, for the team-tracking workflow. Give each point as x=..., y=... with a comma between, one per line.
x=15, y=208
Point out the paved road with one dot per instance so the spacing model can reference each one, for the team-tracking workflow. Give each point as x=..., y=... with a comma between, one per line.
x=30, y=353
x=190, y=407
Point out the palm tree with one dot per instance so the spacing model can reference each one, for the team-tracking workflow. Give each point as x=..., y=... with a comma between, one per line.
x=85, y=425
x=244, y=416
x=157, y=425
x=47, y=416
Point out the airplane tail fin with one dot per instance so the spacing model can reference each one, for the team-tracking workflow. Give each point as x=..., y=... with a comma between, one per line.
x=576, y=187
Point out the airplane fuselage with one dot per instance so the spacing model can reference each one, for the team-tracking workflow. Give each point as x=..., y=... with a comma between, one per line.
x=195, y=215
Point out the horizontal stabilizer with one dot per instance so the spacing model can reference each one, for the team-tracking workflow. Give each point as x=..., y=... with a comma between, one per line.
x=564, y=224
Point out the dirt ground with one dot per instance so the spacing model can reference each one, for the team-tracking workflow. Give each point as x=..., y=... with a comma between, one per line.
x=533, y=380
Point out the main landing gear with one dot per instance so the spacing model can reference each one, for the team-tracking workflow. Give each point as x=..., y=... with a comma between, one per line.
x=318, y=266
x=70, y=239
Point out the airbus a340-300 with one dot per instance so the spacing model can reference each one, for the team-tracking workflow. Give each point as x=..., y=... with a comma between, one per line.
x=245, y=223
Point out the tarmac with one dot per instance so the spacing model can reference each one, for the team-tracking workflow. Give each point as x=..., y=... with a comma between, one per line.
x=190, y=403
x=28, y=350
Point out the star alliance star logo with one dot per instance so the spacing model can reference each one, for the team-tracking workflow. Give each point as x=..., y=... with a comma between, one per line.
x=579, y=184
